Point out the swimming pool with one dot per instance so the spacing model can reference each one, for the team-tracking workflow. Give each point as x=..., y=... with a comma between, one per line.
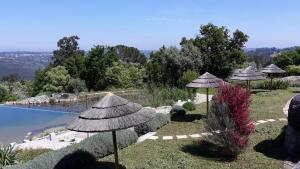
x=15, y=122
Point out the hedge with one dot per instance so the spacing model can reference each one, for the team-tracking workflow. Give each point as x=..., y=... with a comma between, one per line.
x=80, y=155
x=276, y=84
x=156, y=123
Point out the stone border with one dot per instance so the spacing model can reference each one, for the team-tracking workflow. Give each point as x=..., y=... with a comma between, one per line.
x=197, y=135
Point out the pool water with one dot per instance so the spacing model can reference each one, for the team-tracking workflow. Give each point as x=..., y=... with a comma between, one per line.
x=15, y=122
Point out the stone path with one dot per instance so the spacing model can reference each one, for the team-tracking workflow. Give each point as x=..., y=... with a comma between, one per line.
x=198, y=135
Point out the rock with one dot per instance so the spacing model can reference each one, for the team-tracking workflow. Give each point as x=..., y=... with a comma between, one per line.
x=293, y=80
x=163, y=109
x=294, y=113
x=297, y=166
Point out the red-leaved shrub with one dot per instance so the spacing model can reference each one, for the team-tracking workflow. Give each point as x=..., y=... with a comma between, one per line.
x=238, y=100
x=228, y=120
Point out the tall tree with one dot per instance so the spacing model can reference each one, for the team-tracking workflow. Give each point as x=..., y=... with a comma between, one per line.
x=68, y=46
x=75, y=65
x=97, y=61
x=57, y=79
x=219, y=51
x=130, y=54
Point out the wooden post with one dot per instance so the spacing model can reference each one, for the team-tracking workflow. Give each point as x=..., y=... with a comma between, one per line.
x=86, y=101
x=115, y=149
x=207, y=102
x=271, y=86
x=249, y=85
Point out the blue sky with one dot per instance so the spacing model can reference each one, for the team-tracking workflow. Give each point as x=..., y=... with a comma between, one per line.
x=36, y=25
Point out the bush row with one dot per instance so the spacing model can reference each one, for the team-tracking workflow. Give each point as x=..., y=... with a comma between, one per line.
x=156, y=123
x=80, y=155
x=276, y=84
x=85, y=153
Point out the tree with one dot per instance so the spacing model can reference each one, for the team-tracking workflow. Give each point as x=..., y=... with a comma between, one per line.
x=125, y=75
x=167, y=65
x=76, y=86
x=3, y=93
x=284, y=59
x=97, y=61
x=293, y=70
x=220, y=53
x=68, y=46
x=130, y=54
x=75, y=65
x=39, y=81
x=187, y=77
x=56, y=80
x=11, y=79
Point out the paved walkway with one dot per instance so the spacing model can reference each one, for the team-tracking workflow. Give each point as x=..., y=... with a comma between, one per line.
x=198, y=135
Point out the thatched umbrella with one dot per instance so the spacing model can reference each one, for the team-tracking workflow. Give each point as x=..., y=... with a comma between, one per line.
x=207, y=81
x=249, y=74
x=272, y=70
x=111, y=113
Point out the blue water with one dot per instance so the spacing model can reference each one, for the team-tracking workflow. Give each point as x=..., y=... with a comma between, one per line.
x=15, y=122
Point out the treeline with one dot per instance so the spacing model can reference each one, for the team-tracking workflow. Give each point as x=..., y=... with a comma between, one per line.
x=213, y=50
x=73, y=70
x=289, y=60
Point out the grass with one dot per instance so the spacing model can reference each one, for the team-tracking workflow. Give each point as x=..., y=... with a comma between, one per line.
x=187, y=154
x=29, y=154
x=263, y=151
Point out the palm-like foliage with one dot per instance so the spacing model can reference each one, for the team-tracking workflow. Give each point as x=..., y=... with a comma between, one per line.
x=7, y=156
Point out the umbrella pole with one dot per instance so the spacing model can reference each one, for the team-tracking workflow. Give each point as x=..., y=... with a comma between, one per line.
x=207, y=103
x=271, y=83
x=249, y=85
x=115, y=149
x=86, y=101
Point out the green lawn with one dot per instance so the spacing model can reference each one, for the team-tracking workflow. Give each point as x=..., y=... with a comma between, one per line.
x=186, y=154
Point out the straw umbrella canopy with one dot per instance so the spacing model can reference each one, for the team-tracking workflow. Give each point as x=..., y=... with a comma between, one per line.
x=272, y=70
x=111, y=113
x=207, y=81
x=249, y=74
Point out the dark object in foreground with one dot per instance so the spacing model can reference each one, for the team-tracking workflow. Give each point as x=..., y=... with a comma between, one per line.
x=292, y=136
x=294, y=113
x=111, y=113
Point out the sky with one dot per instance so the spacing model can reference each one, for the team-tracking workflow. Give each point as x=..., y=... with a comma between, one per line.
x=37, y=25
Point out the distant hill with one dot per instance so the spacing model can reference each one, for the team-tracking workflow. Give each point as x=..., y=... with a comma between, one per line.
x=26, y=63
x=263, y=56
x=23, y=63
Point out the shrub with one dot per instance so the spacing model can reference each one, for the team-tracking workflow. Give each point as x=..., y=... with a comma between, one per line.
x=7, y=156
x=26, y=155
x=156, y=123
x=82, y=154
x=187, y=77
x=167, y=96
x=76, y=86
x=178, y=111
x=229, y=115
x=293, y=69
x=276, y=84
x=190, y=106
x=3, y=93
